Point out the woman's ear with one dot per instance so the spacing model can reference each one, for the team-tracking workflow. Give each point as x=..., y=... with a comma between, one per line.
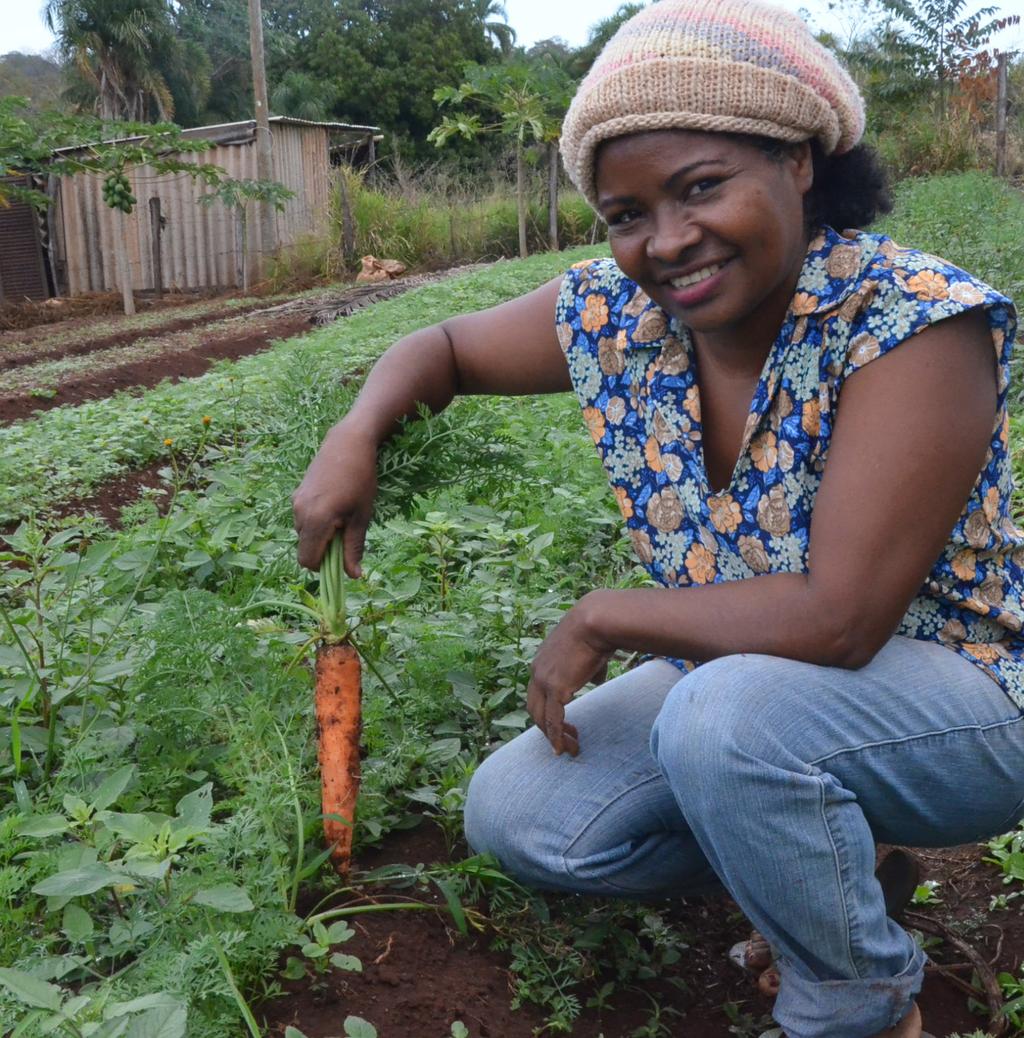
x=801, y=165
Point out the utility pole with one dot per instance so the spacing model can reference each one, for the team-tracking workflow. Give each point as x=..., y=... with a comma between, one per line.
x=1001, y=105
x=264, y=143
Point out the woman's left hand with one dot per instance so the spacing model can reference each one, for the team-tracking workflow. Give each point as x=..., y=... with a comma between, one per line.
x=571, y=656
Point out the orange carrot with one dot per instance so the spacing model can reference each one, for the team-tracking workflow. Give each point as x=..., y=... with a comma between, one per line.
x=338, y=711
x=338, y=718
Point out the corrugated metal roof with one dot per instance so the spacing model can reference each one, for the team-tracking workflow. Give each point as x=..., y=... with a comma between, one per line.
x=240, y=132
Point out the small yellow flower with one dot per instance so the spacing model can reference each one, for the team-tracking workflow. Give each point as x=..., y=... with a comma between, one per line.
x=145, y=419
x=207, y=419
x=168, y=443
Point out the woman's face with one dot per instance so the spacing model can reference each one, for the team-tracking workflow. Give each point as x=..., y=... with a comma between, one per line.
x=710, y=227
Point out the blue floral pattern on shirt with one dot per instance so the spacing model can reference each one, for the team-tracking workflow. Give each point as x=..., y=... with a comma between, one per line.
x=859, y=296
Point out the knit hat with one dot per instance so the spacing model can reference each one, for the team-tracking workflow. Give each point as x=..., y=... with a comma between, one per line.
x=735, y=66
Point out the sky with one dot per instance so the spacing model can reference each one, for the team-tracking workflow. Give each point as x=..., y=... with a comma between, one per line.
x=22, y=28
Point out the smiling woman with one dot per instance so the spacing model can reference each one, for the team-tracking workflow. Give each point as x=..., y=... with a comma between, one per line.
x=833, y=649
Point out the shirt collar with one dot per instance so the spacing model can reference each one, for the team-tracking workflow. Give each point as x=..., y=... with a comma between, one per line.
x=845, y=257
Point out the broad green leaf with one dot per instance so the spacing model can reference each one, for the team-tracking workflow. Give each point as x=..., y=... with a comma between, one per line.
x=194, y=559
x=114, y=784
x=444, y=750
x=293, y=1032
x=162, y=1022
x=31, y=991
x=78, y=882
x=77, y=924
x=43, y=825
x=454, y=904
x=133, y=828
x=194, y=810
x=339, y=932
x=225, y=898
x=294, y=969
x=145, y=866
x=346, y=962
x=357, y=1027
x=513, y=719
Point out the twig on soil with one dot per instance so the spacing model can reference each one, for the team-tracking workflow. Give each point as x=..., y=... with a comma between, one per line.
x=386, y=952
x=993, y=992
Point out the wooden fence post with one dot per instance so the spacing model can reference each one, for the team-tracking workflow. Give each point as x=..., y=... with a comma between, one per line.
x=553, y=195
x=241, y=249
x=156, y=226
x=1001, y=106
x=348, y=227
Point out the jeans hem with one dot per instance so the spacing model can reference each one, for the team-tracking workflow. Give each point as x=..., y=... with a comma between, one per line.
x=846, y=1008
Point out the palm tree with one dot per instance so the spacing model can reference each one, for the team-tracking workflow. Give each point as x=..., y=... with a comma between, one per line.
x=494, y=18
x=114, y=48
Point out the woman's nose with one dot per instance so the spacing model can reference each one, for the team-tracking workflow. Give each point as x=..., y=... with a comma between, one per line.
x=671, y=236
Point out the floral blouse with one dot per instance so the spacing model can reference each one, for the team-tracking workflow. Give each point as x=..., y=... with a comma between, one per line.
x=859, y=296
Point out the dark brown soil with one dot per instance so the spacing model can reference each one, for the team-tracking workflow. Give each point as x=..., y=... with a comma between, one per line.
x=28, y=317
x=420, y=975
x=173, y=365
x=30, y=355
x=118, y=493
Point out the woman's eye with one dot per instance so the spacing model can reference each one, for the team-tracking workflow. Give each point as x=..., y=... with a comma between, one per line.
x=620, y=219
x=703, y=186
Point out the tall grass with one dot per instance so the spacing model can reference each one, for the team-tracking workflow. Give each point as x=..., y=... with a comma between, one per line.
x=428, y=221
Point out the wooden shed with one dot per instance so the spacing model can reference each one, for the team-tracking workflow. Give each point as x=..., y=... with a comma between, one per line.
x=193, y=246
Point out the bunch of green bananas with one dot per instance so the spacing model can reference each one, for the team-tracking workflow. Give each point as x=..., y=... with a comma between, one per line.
x=117, y=193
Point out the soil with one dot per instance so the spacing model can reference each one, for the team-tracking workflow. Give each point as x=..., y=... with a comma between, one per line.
x=167, y=364
x=420, y=975
x=88, y=343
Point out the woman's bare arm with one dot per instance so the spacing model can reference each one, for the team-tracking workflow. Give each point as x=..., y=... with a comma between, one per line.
x=507, y=349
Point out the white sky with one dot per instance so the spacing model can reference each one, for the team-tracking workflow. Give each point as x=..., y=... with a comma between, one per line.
x=22, y=28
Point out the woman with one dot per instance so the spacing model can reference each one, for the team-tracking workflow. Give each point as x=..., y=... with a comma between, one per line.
x=848, y=577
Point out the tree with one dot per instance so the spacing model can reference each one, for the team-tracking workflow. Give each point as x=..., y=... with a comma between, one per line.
x=114, y=48
x=523, y=103
x=214, y=36
x=379, y=60
x=301, y=96
x=494, y=18
x=600, y=33
x=945, y=37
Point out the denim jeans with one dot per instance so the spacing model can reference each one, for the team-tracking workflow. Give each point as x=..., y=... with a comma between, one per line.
x=774, y=779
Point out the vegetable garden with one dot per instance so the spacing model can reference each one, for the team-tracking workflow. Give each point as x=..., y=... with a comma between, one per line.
x=162, y=864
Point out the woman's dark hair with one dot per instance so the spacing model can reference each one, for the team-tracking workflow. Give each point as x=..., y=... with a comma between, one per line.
x=849, y=190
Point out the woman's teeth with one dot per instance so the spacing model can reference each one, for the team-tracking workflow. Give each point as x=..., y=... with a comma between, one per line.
x=696, y=277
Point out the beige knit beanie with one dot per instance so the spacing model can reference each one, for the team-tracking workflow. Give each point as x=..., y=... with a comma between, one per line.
x=736, y=66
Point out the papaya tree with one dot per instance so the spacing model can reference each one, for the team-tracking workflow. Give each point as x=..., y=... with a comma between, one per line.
x=523, y=103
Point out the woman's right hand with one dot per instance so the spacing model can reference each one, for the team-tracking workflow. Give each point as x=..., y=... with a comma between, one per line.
x=336, y=496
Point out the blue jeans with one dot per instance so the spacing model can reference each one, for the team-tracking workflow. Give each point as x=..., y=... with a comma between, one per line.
x=774, y=779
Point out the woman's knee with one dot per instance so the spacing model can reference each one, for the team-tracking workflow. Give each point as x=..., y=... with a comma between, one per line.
x=718, y=718
x=508, y=806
